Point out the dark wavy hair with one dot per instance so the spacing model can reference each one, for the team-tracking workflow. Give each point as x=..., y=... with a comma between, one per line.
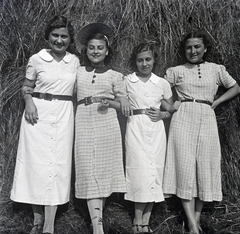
x=195, y=34
x=59, y=22
x=142, y=47
x=98, y=36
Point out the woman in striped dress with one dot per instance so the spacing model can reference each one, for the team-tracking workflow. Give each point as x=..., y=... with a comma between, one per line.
x=192, y=169
x=98, y=146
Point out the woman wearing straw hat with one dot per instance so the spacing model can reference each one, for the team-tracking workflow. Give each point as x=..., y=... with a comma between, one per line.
x=98, y=147
x=43, y=167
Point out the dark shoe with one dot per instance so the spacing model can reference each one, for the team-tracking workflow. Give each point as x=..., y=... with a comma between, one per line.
x=36, y=229
x=146, y=229
x=137, y=228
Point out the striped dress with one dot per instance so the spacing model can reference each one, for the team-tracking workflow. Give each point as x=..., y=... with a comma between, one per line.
x=193, y=162
x=98, y=144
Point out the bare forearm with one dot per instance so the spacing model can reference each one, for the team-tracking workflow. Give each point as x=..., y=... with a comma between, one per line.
x=27, y=89
x=230, y=93
x=115, y=104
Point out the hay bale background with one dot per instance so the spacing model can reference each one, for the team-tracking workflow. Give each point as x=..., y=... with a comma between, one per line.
x=21, y=35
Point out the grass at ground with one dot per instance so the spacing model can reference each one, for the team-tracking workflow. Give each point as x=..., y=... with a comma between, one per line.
x=167, y=217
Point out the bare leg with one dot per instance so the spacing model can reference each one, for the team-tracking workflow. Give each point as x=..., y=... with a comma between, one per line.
x=50, y=213
x=95, y=207
x=189, y=208
x=198, y=210
x=138, y=218
x=146, y=216
x=38, y=219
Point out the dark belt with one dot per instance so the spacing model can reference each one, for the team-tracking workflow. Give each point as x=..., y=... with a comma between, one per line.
x=90, y=100
x=198, y=101
x=50, y=97
x=140, y=111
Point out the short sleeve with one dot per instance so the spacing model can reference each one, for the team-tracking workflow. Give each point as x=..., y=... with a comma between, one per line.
x=31, y=70
x=167, y=89
x=119, y=89
x=169, y=76
x=224, y=78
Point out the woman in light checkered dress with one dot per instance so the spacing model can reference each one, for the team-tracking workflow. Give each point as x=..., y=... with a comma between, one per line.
x=192, y=169
x=98, y=146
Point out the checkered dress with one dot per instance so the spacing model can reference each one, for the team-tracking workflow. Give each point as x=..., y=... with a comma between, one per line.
x=193, y=160
x=98, y=146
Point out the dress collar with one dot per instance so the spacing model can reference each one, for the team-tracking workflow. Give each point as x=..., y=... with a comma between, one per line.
x=202, y=61
x=97, y=69
x=134, y=78
x=45, y=55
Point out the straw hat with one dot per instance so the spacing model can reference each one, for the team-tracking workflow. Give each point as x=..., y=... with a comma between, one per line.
x=93, y=28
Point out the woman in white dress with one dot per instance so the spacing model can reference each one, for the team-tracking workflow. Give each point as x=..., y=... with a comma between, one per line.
x=43, y=166
x=145, y=138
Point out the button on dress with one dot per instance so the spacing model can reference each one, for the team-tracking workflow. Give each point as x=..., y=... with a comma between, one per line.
x=98, y=143
x=193, y=162
x=145, y=140
x=43, y=166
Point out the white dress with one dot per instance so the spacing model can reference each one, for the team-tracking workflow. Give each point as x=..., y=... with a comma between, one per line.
x=43, y=166
x=145, y=140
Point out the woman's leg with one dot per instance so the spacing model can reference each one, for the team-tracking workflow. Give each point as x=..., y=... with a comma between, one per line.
x=38, y=219
x=138, y=218
x=198, y=210
x=146, y=217
x=50, y=213
x=189, y=208
x=95, y=207
x=38, y=214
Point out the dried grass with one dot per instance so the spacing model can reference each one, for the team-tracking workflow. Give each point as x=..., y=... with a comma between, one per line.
x=21, y=26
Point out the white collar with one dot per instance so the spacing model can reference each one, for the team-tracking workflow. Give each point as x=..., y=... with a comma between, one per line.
x=134, y=78
x=45, y=55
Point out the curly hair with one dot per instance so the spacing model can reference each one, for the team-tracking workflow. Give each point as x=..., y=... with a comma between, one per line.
x=59, y=22
x=142, y=47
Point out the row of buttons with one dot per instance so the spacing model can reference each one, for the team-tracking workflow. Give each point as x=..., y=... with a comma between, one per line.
x=199, y=71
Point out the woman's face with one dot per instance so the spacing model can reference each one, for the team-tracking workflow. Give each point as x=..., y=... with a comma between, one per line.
x=145, y=61
x=59, y=40
x=97, y=52
x=194, y=50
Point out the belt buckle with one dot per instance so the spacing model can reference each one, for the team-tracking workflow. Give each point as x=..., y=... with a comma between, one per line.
x=194, y=100
x=147, y=110
x=88, y=100
x=48, y=96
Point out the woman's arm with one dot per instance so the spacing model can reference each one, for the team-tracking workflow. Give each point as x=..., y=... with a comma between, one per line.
x=122, y=104
x=155, y=114
x=31, y=114
x=230, y=93
x=170, y=106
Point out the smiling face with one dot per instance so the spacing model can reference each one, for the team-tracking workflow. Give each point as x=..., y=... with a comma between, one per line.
x=97, y=52
x=194, y=50
x=145, y=61
x=59, y=40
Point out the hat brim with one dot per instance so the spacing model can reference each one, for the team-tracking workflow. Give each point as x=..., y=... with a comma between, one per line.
x=90, y=29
